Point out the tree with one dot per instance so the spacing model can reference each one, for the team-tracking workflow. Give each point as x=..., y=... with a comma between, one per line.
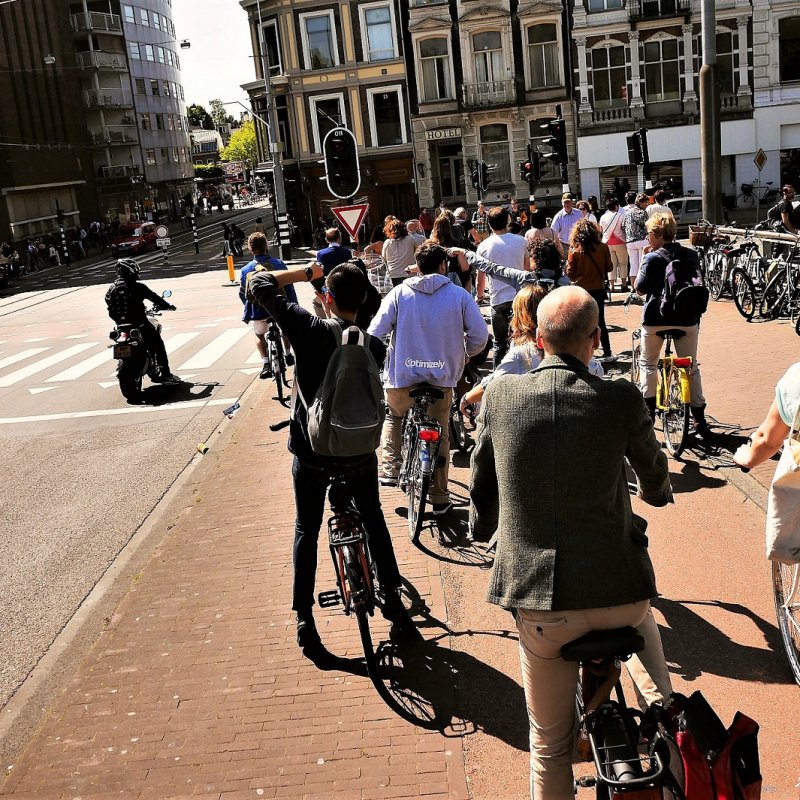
x=199, y=117
x=208, y=171
x=242, y=146
x=218, y=113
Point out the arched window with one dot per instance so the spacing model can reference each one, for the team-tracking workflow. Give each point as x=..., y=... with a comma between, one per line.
x=488, y=49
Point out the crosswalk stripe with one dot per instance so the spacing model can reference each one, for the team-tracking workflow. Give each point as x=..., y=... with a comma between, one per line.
x=214, y=350
x=7, y=362
x=82, y=367
x=255, y=358
x=179, y=340
x=45, y=363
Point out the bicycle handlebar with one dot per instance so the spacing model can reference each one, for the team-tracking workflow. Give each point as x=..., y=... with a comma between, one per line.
x=279, y=426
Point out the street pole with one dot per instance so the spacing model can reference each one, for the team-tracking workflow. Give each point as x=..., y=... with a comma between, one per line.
x=282, y=216
x=194, y=232
x=710, y=135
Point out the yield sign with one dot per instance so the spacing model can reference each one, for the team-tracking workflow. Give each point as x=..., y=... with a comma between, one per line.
x=351, y=217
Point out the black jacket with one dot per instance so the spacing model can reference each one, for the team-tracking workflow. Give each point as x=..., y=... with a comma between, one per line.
x=125, y=301
x=650, y=281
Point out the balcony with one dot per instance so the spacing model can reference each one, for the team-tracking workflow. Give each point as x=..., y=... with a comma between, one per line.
x=423, y=3
x=108, y=98
x=119, y=171
x=114, y=134
x=654, y=9
x=96, y=59
x=604, y=116
x=94, y=22
x=489, y=93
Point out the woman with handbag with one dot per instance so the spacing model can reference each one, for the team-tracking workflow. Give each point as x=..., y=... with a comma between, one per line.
x=588, y=266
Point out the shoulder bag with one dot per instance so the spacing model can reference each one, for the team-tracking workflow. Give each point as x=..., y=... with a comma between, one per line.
x=783, y=509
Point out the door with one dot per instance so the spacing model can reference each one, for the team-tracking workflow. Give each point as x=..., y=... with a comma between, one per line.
x=451, y=177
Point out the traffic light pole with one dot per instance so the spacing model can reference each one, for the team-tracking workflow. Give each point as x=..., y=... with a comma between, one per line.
x=710, y=144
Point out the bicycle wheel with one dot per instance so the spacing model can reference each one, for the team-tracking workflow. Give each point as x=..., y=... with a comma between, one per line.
x=745, y=200
x=744, y=293
x=417, y=495
x=784, y=580
x=773, y=297
x=675, y=417
x=362, y=604
x=458, y=433
x=636, y=355
x=715, y=274
x=797, y=326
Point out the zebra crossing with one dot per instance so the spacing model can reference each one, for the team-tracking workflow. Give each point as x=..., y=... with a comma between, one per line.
x=226, y=346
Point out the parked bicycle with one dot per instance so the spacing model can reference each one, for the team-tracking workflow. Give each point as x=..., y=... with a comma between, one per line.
x=277, y=360
x=786, y=591
x=420, y=451
x=781, y=296
x=748, y=278
x=609, y=732
x=750, y=192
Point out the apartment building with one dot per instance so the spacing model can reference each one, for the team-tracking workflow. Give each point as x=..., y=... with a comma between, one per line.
x=327, y=64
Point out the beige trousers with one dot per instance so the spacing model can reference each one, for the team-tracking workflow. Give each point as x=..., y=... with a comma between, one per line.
x=619, y=259
x=550, y=683
x=399, y=402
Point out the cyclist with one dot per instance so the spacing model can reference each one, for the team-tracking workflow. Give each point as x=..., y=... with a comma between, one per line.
x=429, y=319
x=314, y=344
x=125, y=302
x=257, y=244
x=661, y=231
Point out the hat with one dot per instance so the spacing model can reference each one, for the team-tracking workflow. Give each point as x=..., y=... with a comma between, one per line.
x=566, y=196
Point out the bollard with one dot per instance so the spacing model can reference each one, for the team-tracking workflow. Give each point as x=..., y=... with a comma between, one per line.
x=231, y=275
x=194, y=233
x=202, y=448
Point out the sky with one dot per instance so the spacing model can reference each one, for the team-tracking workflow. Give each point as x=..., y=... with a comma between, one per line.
x=219, y=59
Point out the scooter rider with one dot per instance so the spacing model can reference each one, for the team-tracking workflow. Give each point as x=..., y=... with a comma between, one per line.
x=125, y=300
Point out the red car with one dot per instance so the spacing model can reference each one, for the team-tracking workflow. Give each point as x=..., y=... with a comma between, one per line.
x=134, y=238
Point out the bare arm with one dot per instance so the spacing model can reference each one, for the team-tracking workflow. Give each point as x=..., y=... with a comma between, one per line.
x=765, y=442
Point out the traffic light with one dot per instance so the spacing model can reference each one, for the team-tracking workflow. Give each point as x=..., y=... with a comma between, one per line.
x=531, y=170
x=556, y=142
x=475, y=177
x=479, y=175
x=638, y=152
x=484, y=168
x=340, y=152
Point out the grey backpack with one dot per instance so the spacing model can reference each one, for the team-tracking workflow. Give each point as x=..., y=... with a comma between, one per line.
x=346, y=416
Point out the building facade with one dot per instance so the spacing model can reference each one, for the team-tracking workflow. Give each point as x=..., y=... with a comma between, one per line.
x=328, y=64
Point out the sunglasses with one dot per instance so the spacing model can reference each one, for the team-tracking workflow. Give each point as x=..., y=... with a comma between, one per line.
x=327, y=291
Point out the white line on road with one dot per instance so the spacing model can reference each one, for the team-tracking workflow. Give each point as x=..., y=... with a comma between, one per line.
x=215, y=350
x=178, y=340
x=7, y=362
x=45, y=363
x=82, y=367
x=112, y=412
x=43, y=389
x=255, y=358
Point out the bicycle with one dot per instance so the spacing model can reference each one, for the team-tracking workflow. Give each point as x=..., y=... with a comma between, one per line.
x=718, y=266
x=420, y=451
x=781, y=296
x=609, y=731
x=277, y=359
x=748, y=194
x=748, y=278
x=786, y=591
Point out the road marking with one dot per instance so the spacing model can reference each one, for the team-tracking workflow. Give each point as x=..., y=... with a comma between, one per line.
x=213, y=351
x=178, y=340
x=108, y=384
x=113, y=412
x=255, y=358
x=40, y=339
x=45, y=363
x=250, y=371
x=82, y=367
x=43, y=389
x=76, y=336
x=7, y=362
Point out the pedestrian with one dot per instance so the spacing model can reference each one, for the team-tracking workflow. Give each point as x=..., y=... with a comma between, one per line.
x=426, y=221
x=257, y=244
x=659, y=206
x=329, y=257
x=480, y=224
x=458, y=270
x=314, y=344
x=508, y=250
x=237, y=239
x=518, y=219
x=376, y=239
x=415, y=231
x=461, y=228
x=398, y=250
x=571, y=556
x=586, y=210
x=259, y=225
x=588, y=265
x=633, y=226
x=789, y=213
x=540, y=229
x=614, y=237
x=565, y=219
x=594, y=206
x=434, y=325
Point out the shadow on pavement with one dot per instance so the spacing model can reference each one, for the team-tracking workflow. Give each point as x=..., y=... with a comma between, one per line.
x=165, y=394
x=697, y=647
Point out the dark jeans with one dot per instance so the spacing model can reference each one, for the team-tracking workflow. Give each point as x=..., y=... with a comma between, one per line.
x=155, y=345
x=599, y=296
x=501, y=321
x=310, y=487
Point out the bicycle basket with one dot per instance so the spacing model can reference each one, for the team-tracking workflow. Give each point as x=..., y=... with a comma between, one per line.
x=701, y=235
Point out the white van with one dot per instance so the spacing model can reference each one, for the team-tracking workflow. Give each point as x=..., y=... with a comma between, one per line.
x=687, y=211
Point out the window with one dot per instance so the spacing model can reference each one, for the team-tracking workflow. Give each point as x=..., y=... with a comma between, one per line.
x=319, y=41
x=377, y=25
x=175, y=155
x=604, y=5
x=160, y=122
x=160, y=55
x=386, y=116
x=154, y=88
x=149, y=54
x=141, y=86
x=133, y=50
x=727, y=63
x=789, y=45
x=150, y=155
x=128, y=15
x=327, y=111
x=144, y=17
x=608, y=77
x=662, y=70
x=145, y=123
x=543, y=56
x=495, y=152
x=166, y=89
x=272, y=48
x=164, y=154
x=434, y=59
x=488, y=56
x=156, y=20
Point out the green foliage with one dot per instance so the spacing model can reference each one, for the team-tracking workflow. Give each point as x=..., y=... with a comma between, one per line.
x=218, y=113
x=242, y=146
x=208, y=171
x=199, y=117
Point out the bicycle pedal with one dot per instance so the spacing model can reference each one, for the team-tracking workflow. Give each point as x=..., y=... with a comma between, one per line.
x=329, y=599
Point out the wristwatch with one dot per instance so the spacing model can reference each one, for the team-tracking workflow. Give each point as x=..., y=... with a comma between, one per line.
x=309, y=273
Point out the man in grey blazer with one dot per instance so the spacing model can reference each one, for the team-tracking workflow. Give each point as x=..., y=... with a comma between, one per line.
x=548, y=474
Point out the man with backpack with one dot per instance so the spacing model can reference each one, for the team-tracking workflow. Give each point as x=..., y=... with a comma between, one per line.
x=325, y=349
x=671, y=278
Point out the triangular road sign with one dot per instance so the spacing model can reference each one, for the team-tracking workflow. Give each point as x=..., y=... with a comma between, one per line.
x=351, y=217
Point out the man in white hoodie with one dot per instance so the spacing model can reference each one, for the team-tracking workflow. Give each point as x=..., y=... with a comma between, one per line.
x=434, y=326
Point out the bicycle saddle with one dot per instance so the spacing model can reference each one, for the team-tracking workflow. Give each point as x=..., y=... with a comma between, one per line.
x=618, y=642
x=426, y=389
x=675, y=333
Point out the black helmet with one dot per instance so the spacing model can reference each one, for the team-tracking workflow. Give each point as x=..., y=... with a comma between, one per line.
x=128, y=269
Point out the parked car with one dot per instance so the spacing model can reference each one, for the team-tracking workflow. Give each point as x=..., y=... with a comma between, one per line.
x=134, y=238
x=687, y=211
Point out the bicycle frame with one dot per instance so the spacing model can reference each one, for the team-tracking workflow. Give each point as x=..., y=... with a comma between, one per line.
x=668, y=364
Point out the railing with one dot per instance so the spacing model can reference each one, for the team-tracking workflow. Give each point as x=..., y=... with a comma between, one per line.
x=422, y=3
x=108, y=98
x=119, y=171
x=489, y=93
x=114, y=134
x=611, y=114
x=651, y=9
x=728, y=100
x=95, y=21
x=96, y=59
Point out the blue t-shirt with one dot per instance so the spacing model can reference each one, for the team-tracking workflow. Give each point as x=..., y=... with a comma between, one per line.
x=252, y=311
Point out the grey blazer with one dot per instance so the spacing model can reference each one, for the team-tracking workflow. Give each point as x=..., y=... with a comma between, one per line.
x=548, y=473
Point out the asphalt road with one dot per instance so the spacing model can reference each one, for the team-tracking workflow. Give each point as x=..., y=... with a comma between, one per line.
x=81, y=468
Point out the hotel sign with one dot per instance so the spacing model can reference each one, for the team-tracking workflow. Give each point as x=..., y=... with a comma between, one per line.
x=443, y=133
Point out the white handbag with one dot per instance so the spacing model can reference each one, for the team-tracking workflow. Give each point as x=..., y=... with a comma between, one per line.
x=783, y=509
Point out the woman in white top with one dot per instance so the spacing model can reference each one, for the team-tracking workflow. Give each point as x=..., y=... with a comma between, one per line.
x=398, y=250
